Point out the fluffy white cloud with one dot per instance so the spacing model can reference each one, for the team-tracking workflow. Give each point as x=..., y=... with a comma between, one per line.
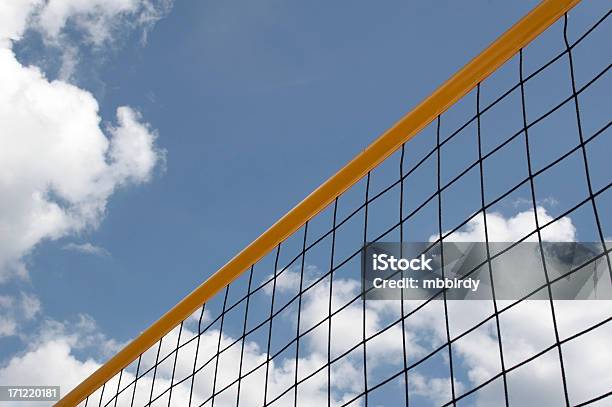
x=511, y=229
x=97, y=20
x=16, y=310
x=527, y=329
x=14, y=17
x=50, y=357
x=58, y=165
x=56, y=348
x=435, y=389
x=32, y=367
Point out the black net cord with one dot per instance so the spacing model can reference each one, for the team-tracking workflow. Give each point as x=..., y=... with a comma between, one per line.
x=538, y=230
x=155, y=372
x=401, y=232
x=488, y=252
x=212, y=403
x=364, y=339
x=439, y=193
x=101, y=395
x=195, y=359
x=118, y=387
x=176, y=351
x=265, y=399
x=136, y=380
x=299, y=315
x=244, y=330
x=331, y=288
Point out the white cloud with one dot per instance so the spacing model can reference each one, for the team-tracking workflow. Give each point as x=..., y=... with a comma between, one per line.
x=99, y=24
x=288, y=281
x=82, y=333
x=50, y=357
x=511, y=229
x=526, y=330
x=17, y=310
x=91, y=16
x=30, y=305
x=14, y=17
x=62, y=185
x=55, y=350
x=87, y=248
x=97, y=20
x=41, y=366
x=8, y=326
x=57, y=165
x=434, y=388
x=132, y=150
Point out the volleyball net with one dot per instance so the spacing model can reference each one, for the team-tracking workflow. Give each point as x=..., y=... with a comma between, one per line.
x=514, y=147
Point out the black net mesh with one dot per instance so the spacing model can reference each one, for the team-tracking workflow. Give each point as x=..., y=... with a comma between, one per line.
x=524, y=156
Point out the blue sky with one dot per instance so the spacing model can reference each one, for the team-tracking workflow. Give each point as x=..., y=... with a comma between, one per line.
x=256, y=103
x=250, y=102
